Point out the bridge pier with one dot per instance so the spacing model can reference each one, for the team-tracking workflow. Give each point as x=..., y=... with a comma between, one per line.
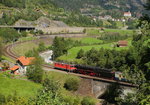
x=95, y=88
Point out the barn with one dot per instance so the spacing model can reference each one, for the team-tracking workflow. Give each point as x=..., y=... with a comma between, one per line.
x=122, y=43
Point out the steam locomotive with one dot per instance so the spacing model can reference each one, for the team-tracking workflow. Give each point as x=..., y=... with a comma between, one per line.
x=91, y=71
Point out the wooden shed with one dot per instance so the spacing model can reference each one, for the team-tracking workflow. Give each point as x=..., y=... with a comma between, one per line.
x=122, y=43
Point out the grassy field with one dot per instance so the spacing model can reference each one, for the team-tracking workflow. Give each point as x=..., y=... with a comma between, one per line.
x=91, y=41
x=23, y=48
x=122, y=32
x=105, y=22
x=119, y=24
x=92, y=32
x=21, y=87
x=60, y=77
x=27, y=38
x=27, y=88
x=8, y=59
x=99, y=32
x=72, y=53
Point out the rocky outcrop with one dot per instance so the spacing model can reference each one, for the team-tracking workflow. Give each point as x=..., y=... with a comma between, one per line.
x=42, y=22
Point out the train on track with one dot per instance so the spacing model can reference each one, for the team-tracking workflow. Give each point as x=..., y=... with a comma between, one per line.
x=91, y=71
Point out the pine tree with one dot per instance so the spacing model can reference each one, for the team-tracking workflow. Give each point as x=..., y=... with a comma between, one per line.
x=80, y=54
x=35, y=71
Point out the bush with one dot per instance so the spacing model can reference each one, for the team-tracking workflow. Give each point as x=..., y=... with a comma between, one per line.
x=80, y=54
x=72, y=84
x=72, y=100
x=88, y=101
x=24, y=34
x=41, y=47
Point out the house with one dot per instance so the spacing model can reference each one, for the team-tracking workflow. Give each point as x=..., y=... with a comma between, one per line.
x=15, y=69
x=23, y=62
x=127, y=14
x=122, y=43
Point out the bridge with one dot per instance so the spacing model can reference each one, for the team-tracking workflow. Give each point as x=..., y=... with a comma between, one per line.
x=97, y=88
x=20, y=28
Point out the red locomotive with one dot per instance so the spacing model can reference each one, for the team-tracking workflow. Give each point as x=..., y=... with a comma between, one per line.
x=64, y=66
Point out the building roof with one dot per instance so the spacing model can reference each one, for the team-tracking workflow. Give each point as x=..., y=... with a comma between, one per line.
x=123, y=43
x=127, y=13
x=14, y=68
x=26, y=60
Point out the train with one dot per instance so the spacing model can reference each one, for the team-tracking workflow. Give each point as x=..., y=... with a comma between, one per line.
x=91, y=71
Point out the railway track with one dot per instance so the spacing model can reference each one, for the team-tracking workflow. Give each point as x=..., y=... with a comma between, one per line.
x=8, y=52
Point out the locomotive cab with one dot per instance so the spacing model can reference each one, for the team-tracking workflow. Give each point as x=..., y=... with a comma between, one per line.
x=64, y=66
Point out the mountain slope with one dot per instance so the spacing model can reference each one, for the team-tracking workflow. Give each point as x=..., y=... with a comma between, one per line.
x=101, y=5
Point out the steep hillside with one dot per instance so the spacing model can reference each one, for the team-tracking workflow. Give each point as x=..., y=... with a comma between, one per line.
x=105, y=4
x=72, y=12
x=102, y=6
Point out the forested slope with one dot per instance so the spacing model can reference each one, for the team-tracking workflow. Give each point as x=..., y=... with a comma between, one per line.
x=68, y=11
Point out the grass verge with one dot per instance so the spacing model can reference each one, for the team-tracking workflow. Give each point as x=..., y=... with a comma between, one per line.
x=23, y=88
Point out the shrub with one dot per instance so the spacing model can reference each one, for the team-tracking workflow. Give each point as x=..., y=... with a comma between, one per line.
x=24, y=34
x=88, y=101
x=72, y=84
x=72, y=100
x=80, y=54
x=41, y=47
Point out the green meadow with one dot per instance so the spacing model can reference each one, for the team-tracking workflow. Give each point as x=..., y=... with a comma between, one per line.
x=25, y=88
x=72, y=53
x=89, y=40
x=122, y=32
x=91, y=32
x=10, y=86
x=23, y=48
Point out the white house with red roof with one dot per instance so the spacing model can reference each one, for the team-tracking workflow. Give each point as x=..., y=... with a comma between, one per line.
x=22, y=64
x=127, y=14
x=15, y=69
